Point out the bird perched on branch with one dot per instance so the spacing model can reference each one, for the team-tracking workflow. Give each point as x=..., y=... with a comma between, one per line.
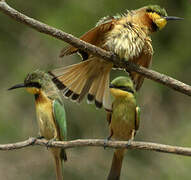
x=128, y=36
x=50, y=113
x=123, y=119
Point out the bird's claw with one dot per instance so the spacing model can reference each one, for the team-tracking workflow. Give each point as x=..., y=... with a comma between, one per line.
x=33, y=140
x=129, y=143
x=40, y=137
x=49, y=143
x=106, y=141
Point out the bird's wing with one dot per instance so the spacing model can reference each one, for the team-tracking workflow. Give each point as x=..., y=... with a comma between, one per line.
x=94, y=36
x=60, y=119
x=109, y=114
x=145, y=60
x=137, y=117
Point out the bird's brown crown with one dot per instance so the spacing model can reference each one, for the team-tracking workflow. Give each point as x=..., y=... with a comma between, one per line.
x=35, y=81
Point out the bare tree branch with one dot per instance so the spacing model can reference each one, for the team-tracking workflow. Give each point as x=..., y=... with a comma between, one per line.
x=99, y=143
x=43, y=28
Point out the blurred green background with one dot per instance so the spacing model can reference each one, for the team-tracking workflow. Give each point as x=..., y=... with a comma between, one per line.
x=165, y=113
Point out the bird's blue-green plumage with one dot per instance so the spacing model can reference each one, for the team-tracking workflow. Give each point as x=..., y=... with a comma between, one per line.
x=60, y=118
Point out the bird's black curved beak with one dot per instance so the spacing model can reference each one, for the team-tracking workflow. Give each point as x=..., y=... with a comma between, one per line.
x=17, y=86
x=169, y=18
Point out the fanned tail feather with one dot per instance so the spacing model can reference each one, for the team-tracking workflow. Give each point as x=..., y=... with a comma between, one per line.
x=90, y=76
x=100, y=91
x=75, y=84
x=94, y=89
x=106, y=98
x=77, y=87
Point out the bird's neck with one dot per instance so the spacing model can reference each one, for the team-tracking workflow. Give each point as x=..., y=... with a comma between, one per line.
x=127, y=98
x=144, y=22
x=41, y=97
x=124, y=103
x=120, y=94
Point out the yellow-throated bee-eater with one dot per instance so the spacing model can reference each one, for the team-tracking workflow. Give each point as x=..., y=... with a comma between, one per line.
x=50, y=113
x=123, y=119
x=128, y=36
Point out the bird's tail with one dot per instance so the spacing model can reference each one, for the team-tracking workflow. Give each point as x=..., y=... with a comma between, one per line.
x=88, y=77
x=59, y=156
x=115, y=170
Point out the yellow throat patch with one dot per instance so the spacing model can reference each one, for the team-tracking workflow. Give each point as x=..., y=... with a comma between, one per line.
x=33, y=90
x=158, y=20
x=120, y=93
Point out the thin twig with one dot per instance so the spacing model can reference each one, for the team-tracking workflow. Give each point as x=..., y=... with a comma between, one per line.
x=43, y=28
x=18, y=145
x=99, y=143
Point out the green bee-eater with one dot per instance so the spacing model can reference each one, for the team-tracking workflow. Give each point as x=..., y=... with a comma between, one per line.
x=123, y=119
x=50, y=113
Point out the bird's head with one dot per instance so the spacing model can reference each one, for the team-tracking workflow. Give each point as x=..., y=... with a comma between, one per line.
x=122, y=86
x=157, y=17
x=34, y=82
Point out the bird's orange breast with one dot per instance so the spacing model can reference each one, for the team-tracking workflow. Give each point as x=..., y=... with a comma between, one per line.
x=45, y=117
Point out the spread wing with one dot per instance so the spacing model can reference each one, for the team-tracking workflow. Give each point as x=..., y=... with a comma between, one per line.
x=94, y=36
x=60, y=119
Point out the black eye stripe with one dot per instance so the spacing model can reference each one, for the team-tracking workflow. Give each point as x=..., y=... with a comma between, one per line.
x=153, y=11
x=124, y=88
x=33, y=84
